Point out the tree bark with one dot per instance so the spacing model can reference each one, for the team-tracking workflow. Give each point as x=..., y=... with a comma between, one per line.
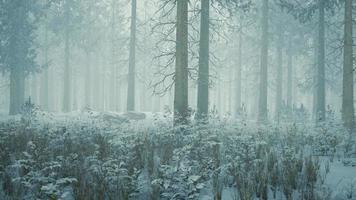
x=114, y=67
x=203, y=74
x=88, y=80
x=290, y=76
x=239, y=73
x=315, y=75
x=131, y=75
x=262, y=113
x=181, y=68
x=17, y=90
x=279, y=73
x=348, y=87
x=34, y=89
x=46, y=102
x=321, y=64
x=67, y=70
x=44, y=89
x=45, y=79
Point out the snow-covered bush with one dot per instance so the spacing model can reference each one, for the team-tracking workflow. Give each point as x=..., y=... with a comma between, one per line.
x=83, y=157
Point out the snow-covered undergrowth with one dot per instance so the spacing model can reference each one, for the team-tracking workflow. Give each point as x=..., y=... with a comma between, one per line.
x=106, y=156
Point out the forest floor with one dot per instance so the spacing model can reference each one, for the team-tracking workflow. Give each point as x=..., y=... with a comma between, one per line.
x=141, y=156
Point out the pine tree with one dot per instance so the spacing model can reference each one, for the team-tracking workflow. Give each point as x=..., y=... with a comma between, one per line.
x=305, y=11
x=348, y=86
x=181, y=68
x=262, y=112
x=132, y=59
x=203, y=77
x=17, y=41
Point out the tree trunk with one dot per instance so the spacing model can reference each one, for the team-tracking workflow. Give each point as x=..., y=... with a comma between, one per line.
x=118, y=94
x=279, y=73
x=67, y=70
x=219, y=104
x=239, y=73
x=114, y=68
x=203, y=76
x=262, y=113
x=45, y=82
x=290, y=76
x=44, y=90
x=315, y=76
x=229, y=91
x=17, y=90
x=34, y=89
x=131, y=75
x=113, y=88
x=321, y=64
x=74, y=100
x=348, y=87
x=181, y=69
x=87, y=92
x=96, y=88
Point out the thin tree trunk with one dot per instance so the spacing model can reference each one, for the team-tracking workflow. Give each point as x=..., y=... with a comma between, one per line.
x=289, y=76
x=45, y=81
x=181, y=69
x=113, y=89
x=143, y=106
x=219, y=104
x=348, y=87
x=118, y=93
x=114, y=70
x=88, y=89
x=315, y=77
x=17, y=59
x=229, y=92
x=44, y=90
x=74, y=92
x=103, y=92
x=131, y=75
x=262, y=113
x=34, y=89
x=88, y=86
x=239, y=74
x=321, y=64
x=17, y=90
x=279, y=72
x=203, y=76
x=67, y=70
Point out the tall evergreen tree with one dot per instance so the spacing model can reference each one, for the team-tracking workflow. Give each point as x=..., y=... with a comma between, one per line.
x=320, y=102
x=67, y=81
x=304, y=11
x=17, y=41
x=132, y=60
x=204, y=50
x=238, y=77
x=181, y=68
x=66, y=19
x=45, y=74
x=280, y=43
x=203, y=76
x=290, y=73
x=348, y=77
x=262, y=112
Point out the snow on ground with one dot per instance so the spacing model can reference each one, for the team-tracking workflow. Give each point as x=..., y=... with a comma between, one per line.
x=340, y=179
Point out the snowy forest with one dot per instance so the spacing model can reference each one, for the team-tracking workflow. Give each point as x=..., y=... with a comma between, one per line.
x=177, y=100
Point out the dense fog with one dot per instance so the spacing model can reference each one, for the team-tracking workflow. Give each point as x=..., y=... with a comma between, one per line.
x=177, y=99
x=79, y=55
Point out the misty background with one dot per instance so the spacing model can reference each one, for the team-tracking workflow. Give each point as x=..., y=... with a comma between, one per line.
x=79, y=56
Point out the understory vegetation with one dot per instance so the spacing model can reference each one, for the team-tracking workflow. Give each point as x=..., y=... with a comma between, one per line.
x=85, y=157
